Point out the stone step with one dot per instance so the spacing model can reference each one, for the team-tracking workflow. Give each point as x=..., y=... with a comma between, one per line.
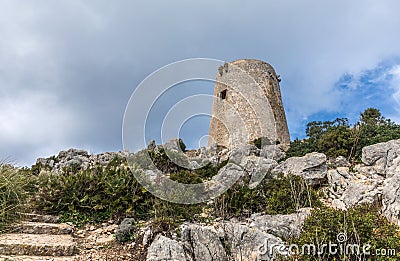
x=36, y=258
x=37, y=245
x=33, y=217
x=42, y=228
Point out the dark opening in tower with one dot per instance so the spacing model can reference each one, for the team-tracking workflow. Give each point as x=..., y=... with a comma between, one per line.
x=222, y=95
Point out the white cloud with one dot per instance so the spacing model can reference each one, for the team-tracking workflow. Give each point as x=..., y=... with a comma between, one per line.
x=395, y=85
x=34, y=123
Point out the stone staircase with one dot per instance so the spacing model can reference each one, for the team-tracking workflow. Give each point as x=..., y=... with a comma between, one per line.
x=40, y=237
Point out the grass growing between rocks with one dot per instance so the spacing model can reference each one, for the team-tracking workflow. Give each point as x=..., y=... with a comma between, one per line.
x=101, y=193
x=93, y=195
x=362, y=225
x=274, y=195
x=16, y=186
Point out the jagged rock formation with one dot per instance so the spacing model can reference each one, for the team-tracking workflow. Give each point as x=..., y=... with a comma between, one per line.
x=312, y=167
x=376, y=180
x=74, y=158
x=252, y=239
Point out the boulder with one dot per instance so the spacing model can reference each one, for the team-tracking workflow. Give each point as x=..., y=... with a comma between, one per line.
x=391, y=199
x=360, y=191
x=256, y=168
x=238, y=154
x=339, y=179
x=203, y=241
x=164, y=248
x=341, y=162
x=383, y=157
x=227, y=176
x=125, y=230
x=312, y=167
x=274, y=152
x=283, y=226
x=252, y=244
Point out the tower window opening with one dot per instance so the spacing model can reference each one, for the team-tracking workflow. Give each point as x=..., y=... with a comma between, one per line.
x=222, y=95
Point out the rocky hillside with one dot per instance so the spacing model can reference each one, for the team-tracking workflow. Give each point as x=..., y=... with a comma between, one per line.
x=374, y=182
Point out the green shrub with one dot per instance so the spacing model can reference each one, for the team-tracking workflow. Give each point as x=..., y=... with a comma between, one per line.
x=362, y=225
x=186, y=177
x=209, y=170
x=280, y=195
x=173, y=214
x=93, y=193
x=15, y=188
x=198, y=175
x=165, y=160
x=339, y=138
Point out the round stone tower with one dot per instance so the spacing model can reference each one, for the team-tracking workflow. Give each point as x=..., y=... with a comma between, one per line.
x=247, y=105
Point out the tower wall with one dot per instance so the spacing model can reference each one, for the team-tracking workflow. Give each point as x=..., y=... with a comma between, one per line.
x=247, y=105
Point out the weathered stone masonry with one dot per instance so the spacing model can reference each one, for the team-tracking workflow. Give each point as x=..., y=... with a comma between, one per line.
x=248, y=104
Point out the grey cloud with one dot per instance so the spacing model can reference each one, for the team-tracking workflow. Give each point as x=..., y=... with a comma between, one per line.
x=89, y=56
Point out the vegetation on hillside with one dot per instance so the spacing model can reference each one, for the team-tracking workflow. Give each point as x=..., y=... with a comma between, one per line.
x=339, y=138
x=348, y=232
x=111, y=191
x=16, y=186
x=100, y=193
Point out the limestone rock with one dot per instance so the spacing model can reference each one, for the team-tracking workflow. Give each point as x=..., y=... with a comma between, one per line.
x=125, y=230
x=341, y=162
x=274, y=152
x=312, y=167
x=164, y=248
x=247, y=243
x=391, y=199
x=237, y=155
x=383, y=157
x=173, y=145
x=366, y=172
x=283, y=226
x=77, y=159
x=204, y=242
x=338, y=204
x=339, y=179
x=228, y=175
x=360, y=192
x=256, y=168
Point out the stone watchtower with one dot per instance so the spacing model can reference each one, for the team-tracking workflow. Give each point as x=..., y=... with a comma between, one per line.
x=247, y=105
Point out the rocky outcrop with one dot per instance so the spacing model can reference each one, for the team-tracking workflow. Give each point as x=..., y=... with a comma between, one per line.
x=376, y=181
x=249, y=243
x=77, y=159
x=229, y=240
x=164, y=248
x=260, y=237
x=312, y=167
x=125, y=230
x=203, y=242
x=383, y=157
x=391, y=199
x=282, y=226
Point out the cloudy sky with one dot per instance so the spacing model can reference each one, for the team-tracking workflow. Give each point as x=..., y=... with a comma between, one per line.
x=69, y=67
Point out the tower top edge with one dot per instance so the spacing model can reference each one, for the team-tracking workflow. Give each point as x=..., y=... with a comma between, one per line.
x=250, y=61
